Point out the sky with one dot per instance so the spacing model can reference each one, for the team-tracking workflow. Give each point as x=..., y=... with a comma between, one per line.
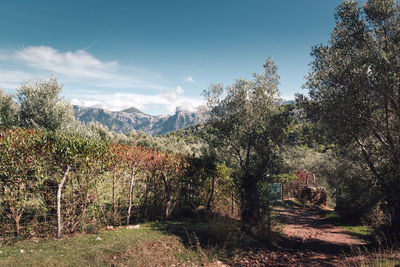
x=157, y=55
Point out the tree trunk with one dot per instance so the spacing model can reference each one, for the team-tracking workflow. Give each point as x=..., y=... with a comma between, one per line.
x=233, y=204
x=208, y=206
x=113, y=199
x=250, y=204
x=395, y=217
x=168, y=198
x=130, y=196
x=17, y=213
x=17, y=220
x=146, y=194
x=17, y=225
x=60, y=186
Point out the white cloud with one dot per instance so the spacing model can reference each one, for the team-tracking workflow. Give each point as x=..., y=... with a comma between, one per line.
x=90, y=81
x=3, y=55
x=11, y=79
x=189, y=79
x=73, y=64
x=81, y=66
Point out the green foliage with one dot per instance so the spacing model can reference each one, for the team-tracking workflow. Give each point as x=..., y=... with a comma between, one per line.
x=21, y=170
x=303, y=131
x=283, y=177
x=41, y=105
x=33, y=163
x=247, y=125
x=357, y=198
x=185, y=141
x=353, y=87
x=8, y=110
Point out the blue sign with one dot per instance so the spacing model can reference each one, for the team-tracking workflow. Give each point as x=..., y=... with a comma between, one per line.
x=275, y=191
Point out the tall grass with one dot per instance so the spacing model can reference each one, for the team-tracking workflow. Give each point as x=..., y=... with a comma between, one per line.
x=385, y=252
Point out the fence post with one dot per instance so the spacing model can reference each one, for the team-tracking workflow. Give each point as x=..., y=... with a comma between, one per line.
x=60, y=186
x=128, y=216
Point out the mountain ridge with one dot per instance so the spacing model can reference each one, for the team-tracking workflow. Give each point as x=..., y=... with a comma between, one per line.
x=126, y=120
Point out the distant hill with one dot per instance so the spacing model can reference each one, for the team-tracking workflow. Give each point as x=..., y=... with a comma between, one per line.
x=133, y=119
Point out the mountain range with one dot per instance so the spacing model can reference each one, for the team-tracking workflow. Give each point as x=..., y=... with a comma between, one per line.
x=133, y=119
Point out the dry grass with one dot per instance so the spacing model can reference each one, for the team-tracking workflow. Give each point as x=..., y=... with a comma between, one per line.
x=385, y=253
x=146, y=246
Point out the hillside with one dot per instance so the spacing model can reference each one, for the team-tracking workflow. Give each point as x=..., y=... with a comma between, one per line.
x=133, y=119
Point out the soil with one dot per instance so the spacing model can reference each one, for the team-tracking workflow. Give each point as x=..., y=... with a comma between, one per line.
x=308, y=240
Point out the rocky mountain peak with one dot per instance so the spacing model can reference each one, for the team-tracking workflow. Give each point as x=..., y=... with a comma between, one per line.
x=133, y=119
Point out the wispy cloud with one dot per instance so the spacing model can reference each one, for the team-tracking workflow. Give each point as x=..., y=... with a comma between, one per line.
x=189, y=79
x=72, y=64
x=11, y=79
x=108, y=80
x=80, y=66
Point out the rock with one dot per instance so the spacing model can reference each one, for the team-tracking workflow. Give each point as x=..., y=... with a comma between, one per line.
x=137, y=226
x=109, y=227
x=98, y=238
x=21, y=251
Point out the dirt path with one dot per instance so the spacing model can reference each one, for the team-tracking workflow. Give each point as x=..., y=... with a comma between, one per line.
x=308, y=224
x=308, y=240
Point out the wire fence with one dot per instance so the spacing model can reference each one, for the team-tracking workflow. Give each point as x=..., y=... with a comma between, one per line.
x=88, y=207
x=82, y=209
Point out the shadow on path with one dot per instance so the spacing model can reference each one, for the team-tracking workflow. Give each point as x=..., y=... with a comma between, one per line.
x=307, y=239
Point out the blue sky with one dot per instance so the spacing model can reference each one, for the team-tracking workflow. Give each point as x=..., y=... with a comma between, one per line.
x=157, y=55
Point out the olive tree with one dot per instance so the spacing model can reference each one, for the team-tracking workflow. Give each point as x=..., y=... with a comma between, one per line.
x=8, y=110
x=247, y=126
x=41, y=106
x=354, y=90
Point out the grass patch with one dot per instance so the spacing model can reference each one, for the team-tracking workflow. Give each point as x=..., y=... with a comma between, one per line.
x=146, y=246
x=362, y=232
x=181, y=243
x=213, y=238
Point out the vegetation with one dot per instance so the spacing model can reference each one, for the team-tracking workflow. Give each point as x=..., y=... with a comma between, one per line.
x=247, y=124
x=146, y=246
x=363, y=232
x=60, y=177
x=354, y=87
x=53, y=112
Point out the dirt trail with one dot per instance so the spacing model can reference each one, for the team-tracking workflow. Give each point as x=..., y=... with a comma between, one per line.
x=309, y=223
x=308, y=240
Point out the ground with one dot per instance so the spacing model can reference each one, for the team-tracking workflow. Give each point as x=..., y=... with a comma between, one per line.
x=308, y=239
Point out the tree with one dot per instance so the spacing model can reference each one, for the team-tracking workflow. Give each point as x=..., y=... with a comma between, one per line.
x=21, y=170
x=354, y=90
x=246, y=123
x=8, y=110
x=41, y=105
